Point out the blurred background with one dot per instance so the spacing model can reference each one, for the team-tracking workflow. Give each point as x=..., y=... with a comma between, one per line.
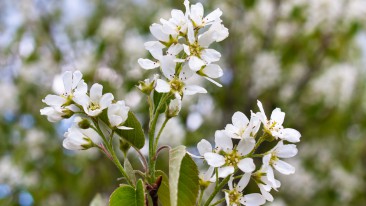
x=307, y=57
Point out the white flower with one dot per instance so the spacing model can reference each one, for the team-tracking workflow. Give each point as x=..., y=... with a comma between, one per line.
x=196, y=13
x=72, y=82
x=265, y=185
x=163, y=61
x=274, y=125
x=241, y=127
x=234, y=196
x=174, y=107
x=118, y=114
x=80, y=139
x=206, y=178
x=60, y=106
x=55, y=114
x=271, y=160
x=198, y=51
x=226, y=157
x=97, y=102
x=176, y=25
x=177, y=84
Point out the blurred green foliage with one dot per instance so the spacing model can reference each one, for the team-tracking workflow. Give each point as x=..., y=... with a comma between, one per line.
x=306, y=57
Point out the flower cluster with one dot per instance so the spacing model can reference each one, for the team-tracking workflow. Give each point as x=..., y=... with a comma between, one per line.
x=182, y=51
x=75, y=100
x=230, y=158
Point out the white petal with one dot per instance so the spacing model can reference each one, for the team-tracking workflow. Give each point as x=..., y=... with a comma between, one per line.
x=286, y=151
x=246, y=165
x=266, y=159
x=124, y=128
x=76, y=78
x=243, y=182
x=284, y=167
x=270, y=176
x=52, y=114
x=174, y=49
x=210, y=55
x=262, y=115
x=114, y=120
x=240, y=120
x=214, y=15
x=220, y=32
x=168, y=66
x=208, y=174
x=147, y=63
x=195, y=63
x=290, y=135
x=214, y=159
x=254, y=199
x=186, y=73
x=204, y=146
x=92, y=135
x=155, y=48
x=54, y=100
x=67, y=80
x=245, y=146
x=157, y=31
x=223, y=141
x=96, y=92
x=225, y=171
x=106, y=100
x=278, y=116
x=191, y=38
x=197, y=13
x=212, y=71
x=82, y=99
x=71, y=144
x=232, y=131
x=162, y=86
x=82, y=88
x=213, y=81
x=265, y=193
x=186, y=49
x=193, y=89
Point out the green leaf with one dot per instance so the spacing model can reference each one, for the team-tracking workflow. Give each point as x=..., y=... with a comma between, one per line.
x=163, y=192
x=183, y=178
x=127, y=195
x=135, y=136
x=157, y=98
x=129, y=170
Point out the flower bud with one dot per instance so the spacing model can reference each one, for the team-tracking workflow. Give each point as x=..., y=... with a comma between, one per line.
x=147, y=86
x=124, y=146
x=84, y=124
x=174, y=108
x=66, y=113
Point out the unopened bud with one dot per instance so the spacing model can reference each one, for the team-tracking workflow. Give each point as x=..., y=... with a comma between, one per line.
x=84, y=124
x=174, y=108
x=66, y=113
x=124, y=146
x=147, y=86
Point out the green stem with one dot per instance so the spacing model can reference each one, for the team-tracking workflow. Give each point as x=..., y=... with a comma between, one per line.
x=217, y=189
x=159, y=134
x=111, y=151
x=218, y=202
x=152, y=135
x=201, y=196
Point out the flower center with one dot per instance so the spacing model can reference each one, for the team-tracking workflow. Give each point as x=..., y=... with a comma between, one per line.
x=232, y=159
x=176, y=85
x=234, y=197
x=195, y=49
x=273, y=159
x=94, y=106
